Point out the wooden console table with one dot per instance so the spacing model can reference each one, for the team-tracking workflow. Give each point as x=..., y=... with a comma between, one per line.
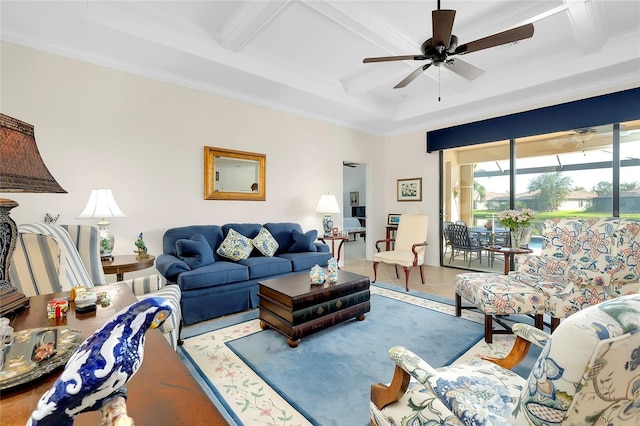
x=162, y=391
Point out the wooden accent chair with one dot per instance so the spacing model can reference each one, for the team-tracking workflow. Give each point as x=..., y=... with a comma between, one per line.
x=588, y=373
x=408, y=249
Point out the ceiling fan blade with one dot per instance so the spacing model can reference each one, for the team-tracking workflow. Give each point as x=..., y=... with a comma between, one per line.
x=442, y=22
x=463, y=69
x=395, y=58
x=505, y=37
x=408, y=79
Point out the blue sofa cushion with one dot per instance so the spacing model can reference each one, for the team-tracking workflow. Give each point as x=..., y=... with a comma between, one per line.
x=249, y=230
x=218, y=273
x=305, y=261
x=170, y=267
x=265, y=243
x=195, y=251
x=212, y=233
x=303, y=241
x=282, y=233
x=235, y=246
x=261, y=266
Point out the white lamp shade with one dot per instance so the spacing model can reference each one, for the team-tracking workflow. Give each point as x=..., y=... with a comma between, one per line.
x=328, y=204
x=101, y=205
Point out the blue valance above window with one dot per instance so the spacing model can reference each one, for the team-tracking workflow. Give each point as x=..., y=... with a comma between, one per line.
x=605, y=109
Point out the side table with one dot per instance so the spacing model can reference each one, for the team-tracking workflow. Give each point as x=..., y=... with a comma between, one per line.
x=333, y=239
x=391, y=231
x=508, y=254
x=127, y=263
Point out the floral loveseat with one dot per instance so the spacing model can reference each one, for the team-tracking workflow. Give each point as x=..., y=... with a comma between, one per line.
x=583, y=262
x=218, y=267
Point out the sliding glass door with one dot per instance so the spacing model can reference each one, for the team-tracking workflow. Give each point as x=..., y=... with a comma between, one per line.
x=592, y=171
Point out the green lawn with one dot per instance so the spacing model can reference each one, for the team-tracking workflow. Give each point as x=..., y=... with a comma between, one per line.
x=539, y=217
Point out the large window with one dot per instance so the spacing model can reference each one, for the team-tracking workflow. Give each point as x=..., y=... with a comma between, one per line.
x=593, y=171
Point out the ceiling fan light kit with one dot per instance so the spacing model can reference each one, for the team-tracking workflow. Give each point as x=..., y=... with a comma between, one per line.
x=444, y=44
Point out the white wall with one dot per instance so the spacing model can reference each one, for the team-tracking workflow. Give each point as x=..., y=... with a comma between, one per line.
x=99, y=127
x=412, y=161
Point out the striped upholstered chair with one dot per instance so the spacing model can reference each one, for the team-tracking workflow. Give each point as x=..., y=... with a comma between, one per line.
x=52, y=258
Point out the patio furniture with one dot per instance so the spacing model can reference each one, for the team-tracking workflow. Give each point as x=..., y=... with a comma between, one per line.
x=461, y=241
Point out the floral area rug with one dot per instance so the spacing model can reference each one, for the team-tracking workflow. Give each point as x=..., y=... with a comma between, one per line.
x=258, y=380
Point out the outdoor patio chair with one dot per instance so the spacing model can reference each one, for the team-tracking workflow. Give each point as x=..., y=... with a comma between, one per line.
x=445, y=236
x=461, y=241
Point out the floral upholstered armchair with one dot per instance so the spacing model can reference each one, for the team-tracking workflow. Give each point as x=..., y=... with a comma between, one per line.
x=583, y=262
x=588, y=373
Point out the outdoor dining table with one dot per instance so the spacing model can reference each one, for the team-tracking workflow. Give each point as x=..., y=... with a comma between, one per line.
x=483, y=235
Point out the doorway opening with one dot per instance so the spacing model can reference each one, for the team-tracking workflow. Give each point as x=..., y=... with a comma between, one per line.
x=354, y=200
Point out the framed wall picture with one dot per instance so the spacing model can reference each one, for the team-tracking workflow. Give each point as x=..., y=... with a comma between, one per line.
x=410, y=189
x=354, y=198
x=393, y=219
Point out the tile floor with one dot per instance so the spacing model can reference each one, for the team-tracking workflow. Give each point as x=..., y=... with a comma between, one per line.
x=438, y=280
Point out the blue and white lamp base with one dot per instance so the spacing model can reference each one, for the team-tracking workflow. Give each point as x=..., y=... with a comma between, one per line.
x=327, y=224
x=107, y=240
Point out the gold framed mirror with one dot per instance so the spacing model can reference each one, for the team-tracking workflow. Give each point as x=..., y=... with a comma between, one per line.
x=234, y=175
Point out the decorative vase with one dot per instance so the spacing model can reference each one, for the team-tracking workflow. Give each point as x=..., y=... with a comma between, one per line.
x=515, y=238
x=520, y=236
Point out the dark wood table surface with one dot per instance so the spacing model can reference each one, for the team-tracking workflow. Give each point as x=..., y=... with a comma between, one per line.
x=162, y=392
x=508, y=253
x=126, y=263
x=289, y=295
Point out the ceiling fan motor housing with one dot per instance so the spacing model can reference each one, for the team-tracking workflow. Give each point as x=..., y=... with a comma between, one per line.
x=438, y=54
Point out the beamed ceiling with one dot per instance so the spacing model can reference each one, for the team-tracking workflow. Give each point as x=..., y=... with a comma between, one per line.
x=305, y=57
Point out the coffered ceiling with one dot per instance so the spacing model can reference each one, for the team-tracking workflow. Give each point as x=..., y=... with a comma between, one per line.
x=305, y=57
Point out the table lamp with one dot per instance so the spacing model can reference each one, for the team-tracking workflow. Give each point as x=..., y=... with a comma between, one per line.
x=102, y=205
x=327, y=205
x=21, y=170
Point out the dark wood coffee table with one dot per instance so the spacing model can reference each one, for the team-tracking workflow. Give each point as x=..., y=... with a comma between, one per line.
x=162, y=391
x=296, y=308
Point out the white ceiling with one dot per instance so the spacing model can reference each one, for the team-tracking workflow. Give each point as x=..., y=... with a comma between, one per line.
x=306, y=57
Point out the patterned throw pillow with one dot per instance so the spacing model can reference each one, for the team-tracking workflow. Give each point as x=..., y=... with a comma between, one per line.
x=195, y=252
x=265, y=243
x=235, y=247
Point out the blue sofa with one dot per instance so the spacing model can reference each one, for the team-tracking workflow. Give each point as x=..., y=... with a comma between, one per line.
x=213, y=285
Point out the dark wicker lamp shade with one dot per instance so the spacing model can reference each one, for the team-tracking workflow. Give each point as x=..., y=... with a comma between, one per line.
x=21, y=170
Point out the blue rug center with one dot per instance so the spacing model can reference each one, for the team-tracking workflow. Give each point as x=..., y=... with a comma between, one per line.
x=328, y=376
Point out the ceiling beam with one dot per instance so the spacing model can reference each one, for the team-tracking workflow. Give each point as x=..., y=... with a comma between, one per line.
x=249, y=20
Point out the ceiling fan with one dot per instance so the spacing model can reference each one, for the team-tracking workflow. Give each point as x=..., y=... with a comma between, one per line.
x=444, y=44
